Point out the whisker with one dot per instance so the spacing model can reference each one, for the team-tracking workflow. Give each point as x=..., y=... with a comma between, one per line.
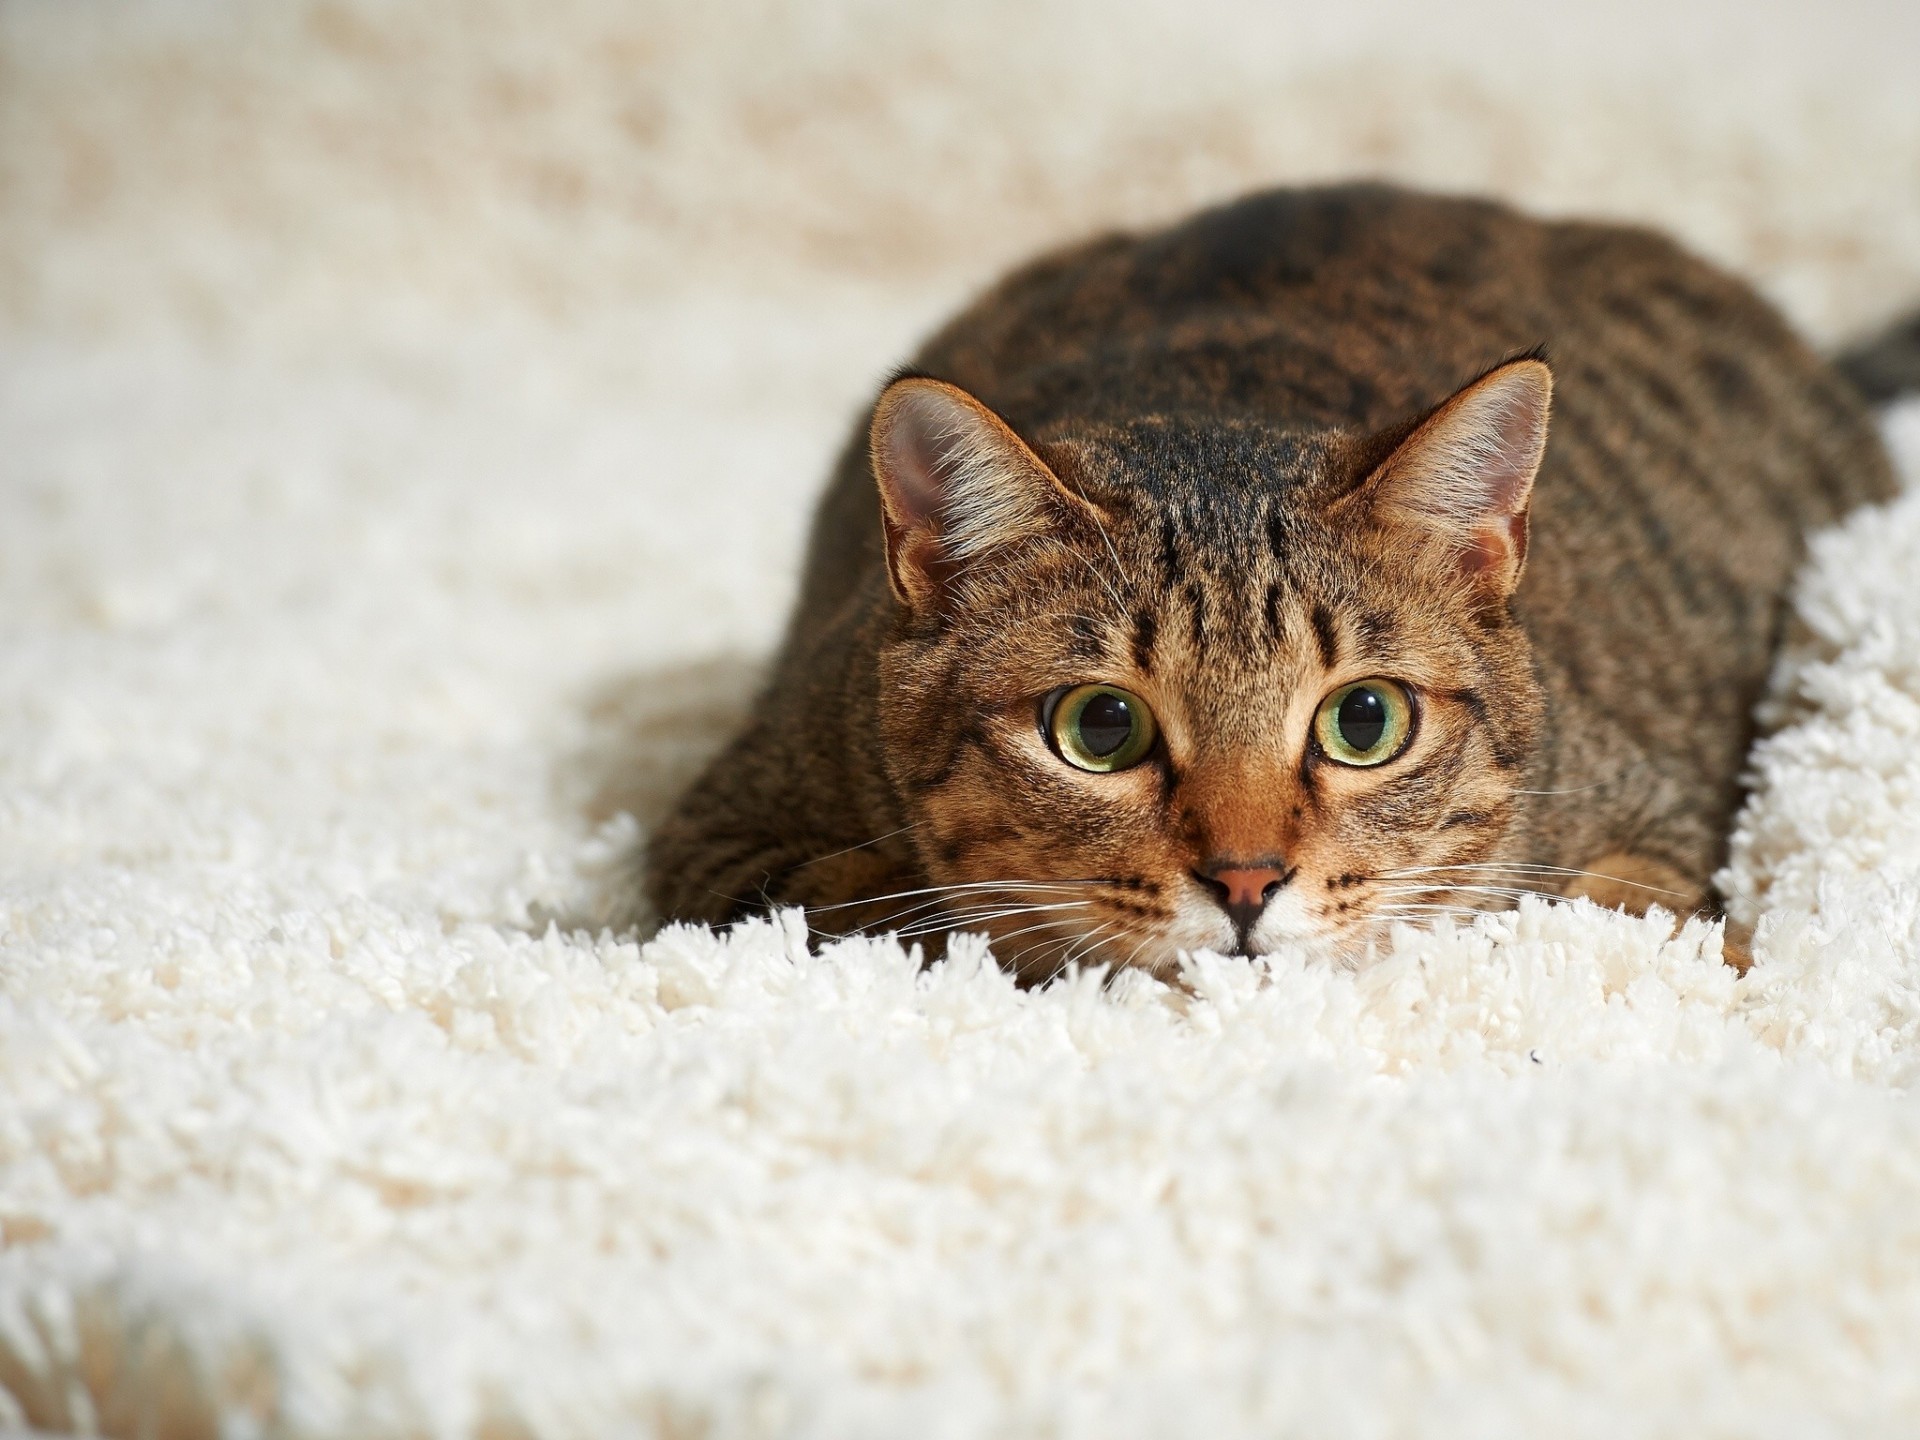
x=1105, y=581
x=1087, y=950
x=1100, y=525
x=1523, y=869
x=1134, y=954
x=1419, y=917
x=1001, y=940
x=960, y=886
x=972, y=917
x=910, y=914
x=1074, y=952
x=912, y=921
x=1507, y=891
x=836, y=854
x=1009, y=906
x=983, y=904
x=1513, y=867
x=980, y=918
x=1037, y=948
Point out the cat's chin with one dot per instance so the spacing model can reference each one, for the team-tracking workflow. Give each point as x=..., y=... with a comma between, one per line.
x=1287, y=927
x=1164, y=957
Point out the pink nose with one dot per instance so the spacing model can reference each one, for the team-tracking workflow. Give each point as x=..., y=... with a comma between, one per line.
x=1242, y=891
x=1250, y=886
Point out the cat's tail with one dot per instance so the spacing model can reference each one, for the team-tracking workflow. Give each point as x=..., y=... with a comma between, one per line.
x=1887, y=365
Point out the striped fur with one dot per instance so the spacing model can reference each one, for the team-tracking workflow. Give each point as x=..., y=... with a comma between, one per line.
x=1214, y=398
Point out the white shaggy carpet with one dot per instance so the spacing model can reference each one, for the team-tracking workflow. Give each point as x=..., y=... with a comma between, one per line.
x=407, y=418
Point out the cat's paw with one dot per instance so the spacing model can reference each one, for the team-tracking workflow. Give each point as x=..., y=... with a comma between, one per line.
x=1623, y=880
x=1736, y=947
x=1637, y=883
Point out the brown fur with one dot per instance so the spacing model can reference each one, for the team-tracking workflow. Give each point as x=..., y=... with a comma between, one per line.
x=1213, y=487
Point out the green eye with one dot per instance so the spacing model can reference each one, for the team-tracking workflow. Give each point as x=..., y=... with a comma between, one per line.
x=1366, y=723
x=1100, y=728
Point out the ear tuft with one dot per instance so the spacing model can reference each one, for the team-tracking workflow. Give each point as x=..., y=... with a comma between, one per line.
x=955, y=483
x=1464, y=477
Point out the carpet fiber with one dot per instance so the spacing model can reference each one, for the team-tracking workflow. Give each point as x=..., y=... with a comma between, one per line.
x=408, y=416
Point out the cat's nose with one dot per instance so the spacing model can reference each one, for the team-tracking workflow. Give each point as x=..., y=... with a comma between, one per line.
x=1242, y=889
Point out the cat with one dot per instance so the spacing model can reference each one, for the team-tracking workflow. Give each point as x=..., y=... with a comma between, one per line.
x=1335, y=558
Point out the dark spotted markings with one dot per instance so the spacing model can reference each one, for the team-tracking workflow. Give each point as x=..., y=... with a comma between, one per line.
x=1325, y=636
x=1145, y=628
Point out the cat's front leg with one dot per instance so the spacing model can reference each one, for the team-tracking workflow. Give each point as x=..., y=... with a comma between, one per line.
x=1623, y=880
x=714, y=874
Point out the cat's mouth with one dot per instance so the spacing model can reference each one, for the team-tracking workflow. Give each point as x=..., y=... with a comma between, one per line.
x=1042, y=929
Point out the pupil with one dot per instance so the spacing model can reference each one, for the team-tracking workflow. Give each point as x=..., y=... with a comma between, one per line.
x=1362, y=719
x=1105, y=723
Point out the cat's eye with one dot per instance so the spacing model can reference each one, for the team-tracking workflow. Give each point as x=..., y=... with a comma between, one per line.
x=1101, y=728
x=1365, y=723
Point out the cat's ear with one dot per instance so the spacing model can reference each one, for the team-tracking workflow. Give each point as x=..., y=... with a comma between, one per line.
x=1464, y=476
x=955, y=483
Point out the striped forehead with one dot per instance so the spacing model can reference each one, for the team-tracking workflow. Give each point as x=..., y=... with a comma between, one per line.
x=1216, y=573
x=1269, y=604
x=1226, y=575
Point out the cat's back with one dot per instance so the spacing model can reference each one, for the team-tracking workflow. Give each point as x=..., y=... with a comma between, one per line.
x=1692, y=430
x=1354, y=305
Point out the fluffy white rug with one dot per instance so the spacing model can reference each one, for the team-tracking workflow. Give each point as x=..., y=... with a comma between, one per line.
x=407, y=419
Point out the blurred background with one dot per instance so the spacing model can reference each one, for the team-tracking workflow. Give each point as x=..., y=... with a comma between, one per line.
x=336, y=164
x=382, y=167
x=407, y=408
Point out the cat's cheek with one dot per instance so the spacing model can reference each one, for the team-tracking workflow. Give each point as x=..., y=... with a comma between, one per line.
x=1191, y=930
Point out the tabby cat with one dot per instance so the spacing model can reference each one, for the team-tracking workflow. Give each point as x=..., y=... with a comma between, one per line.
x=1336, y=558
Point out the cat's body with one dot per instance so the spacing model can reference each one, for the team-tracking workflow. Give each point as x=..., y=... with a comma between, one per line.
x=1215, y=496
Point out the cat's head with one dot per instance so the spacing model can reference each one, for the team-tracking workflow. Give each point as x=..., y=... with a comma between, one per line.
x=1181, y=684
